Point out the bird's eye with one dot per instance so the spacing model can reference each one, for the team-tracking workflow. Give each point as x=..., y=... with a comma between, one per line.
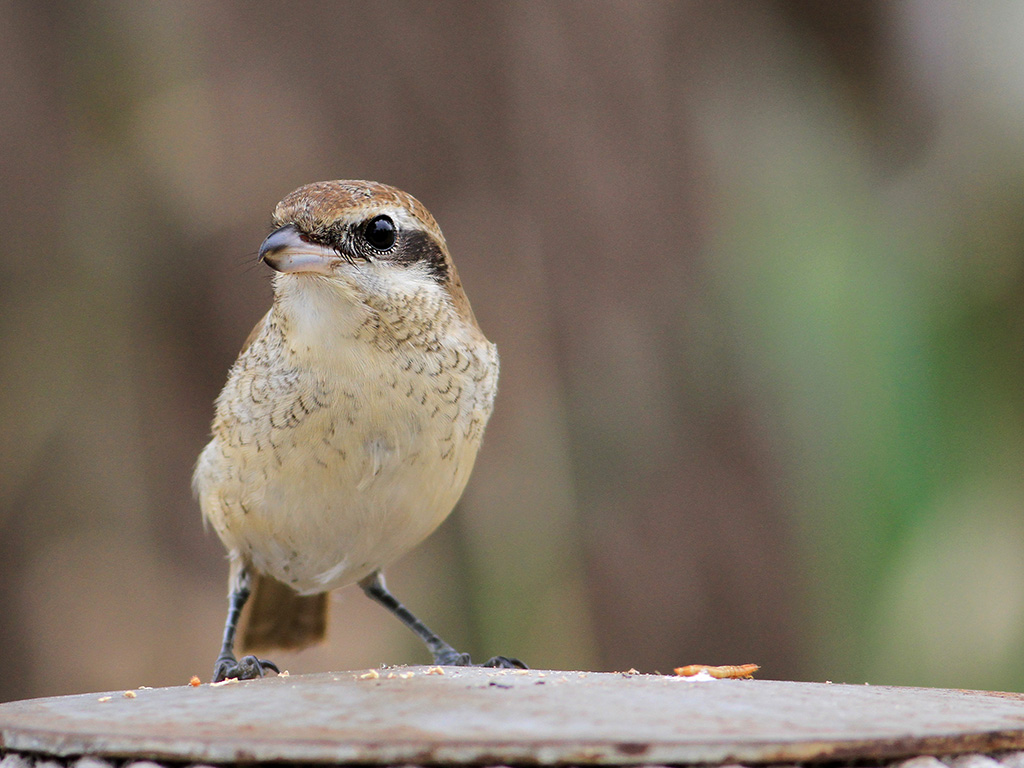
x=381, y=233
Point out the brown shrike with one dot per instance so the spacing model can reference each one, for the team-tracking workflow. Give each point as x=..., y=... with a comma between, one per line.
x=350, y=422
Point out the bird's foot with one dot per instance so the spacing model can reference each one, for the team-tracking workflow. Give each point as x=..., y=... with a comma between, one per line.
x=453, y=658
x=245, y=668
x=504, y=662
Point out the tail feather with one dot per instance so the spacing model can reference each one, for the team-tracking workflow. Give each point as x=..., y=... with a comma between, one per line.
x=279, y=617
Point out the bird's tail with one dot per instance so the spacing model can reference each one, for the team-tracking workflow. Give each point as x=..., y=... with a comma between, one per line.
x=279, y=617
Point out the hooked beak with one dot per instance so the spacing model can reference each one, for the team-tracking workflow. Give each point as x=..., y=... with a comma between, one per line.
x=286, y=250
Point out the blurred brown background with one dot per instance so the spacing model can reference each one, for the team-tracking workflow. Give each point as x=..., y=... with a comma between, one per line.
x=754, y=270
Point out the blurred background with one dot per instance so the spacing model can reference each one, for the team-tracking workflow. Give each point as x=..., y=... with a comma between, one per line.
x=755, y=270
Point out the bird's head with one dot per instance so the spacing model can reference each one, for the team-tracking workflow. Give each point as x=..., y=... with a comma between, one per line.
x=376, y=243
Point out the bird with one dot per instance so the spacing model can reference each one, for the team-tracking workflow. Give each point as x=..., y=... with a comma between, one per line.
x=351, y=420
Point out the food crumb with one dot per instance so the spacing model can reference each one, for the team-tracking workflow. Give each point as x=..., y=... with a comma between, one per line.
x=520, y=671
x=407, y=675
x=286, y=673
x=227, y=681
x=435, y=671
x=195, y=681
x=373, y=674
x=129, y=694
x=104, y=698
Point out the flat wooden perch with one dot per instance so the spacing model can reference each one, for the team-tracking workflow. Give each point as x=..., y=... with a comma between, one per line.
x=462, y=716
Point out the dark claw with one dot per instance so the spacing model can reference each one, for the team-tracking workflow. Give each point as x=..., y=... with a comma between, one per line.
x=456, y=659
x=245, y=668
x=453, y=658
x=503, y=662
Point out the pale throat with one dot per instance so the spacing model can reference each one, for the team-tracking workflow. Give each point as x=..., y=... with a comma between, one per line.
x=384, y=304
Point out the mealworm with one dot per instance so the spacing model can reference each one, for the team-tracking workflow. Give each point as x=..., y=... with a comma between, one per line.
x=740, y=672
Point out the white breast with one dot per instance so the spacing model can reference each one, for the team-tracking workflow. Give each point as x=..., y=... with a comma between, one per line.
x=335, y=450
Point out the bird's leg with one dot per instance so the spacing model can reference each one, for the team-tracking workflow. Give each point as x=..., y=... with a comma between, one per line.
x=248, y=667
x=444, y=654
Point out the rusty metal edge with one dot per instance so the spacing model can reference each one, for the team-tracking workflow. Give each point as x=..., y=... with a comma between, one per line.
x=545, y=752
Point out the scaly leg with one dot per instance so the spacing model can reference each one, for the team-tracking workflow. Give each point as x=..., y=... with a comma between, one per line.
x=444, y=654
x=248, y=667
